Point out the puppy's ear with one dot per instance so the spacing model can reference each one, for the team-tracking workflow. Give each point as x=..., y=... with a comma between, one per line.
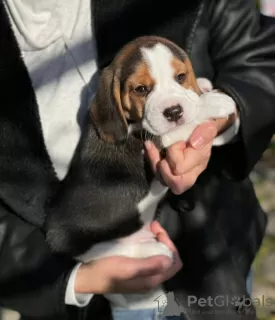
x=106, y=110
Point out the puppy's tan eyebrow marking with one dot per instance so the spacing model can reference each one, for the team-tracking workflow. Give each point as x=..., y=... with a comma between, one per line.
x=133, y=103
x=185, y=67
x=142, y=75
x=178, y=66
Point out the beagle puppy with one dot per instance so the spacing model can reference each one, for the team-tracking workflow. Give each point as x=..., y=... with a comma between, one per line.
x=106, y=203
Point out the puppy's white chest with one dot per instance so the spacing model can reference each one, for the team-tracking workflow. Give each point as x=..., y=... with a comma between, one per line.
x=147, y=209
x=147, y=206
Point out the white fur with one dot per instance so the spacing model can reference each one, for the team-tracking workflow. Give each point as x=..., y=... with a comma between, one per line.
x=212, y=105
x=166, y=92
x=147, y=207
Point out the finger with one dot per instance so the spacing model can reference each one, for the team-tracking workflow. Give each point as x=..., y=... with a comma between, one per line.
x=179, y=184
x=192, y=159
x=166, y=174
x=139, y=285
x=162, y=236
x=182, y=163
x=175, y=156
x=129, y=268
x=177, y=265
x=203, y=134
x=144, y=284
x=153, y=154
x=175, y=183
x=156, y=227
x=165, y=239
x=158, y=279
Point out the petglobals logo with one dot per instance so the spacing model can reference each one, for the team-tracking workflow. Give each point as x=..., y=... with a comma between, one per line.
x=218, y=301
x=224, y=301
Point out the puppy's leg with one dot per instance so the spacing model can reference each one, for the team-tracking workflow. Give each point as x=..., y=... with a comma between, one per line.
x=213, y=105
x=204, y=84
x=216, y=104
x=181, y=133
x=141, y=244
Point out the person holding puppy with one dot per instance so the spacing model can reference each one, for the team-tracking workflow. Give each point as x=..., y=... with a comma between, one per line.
x=212, y=221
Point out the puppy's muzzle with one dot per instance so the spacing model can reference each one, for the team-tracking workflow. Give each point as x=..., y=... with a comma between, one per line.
x=164, y=111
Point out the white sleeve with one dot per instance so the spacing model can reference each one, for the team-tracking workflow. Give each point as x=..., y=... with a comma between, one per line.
x=76, y=299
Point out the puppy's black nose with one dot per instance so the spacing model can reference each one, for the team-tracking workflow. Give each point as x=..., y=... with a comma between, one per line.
x=173, y=113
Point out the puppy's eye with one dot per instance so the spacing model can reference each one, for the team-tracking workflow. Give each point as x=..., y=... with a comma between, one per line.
x=180, y=77
x=141, y=89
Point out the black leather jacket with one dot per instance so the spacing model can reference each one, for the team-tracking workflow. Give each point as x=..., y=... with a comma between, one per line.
x=217, y=226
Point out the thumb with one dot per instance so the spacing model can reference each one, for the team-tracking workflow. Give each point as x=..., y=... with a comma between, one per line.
x=153, y=154
x=203, y=134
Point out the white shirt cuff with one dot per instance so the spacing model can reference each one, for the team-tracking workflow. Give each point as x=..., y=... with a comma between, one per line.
x=228, y=135
x=76, y=299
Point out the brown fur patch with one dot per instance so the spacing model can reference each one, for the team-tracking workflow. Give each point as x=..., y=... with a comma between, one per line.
x=179, y=66
x=117, y=97
x=106, y=109
x=185, y=67
x=133, y=103
x=191, y=80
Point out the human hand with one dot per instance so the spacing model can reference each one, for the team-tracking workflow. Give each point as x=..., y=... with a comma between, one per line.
x=128, y=275
x=184, y=162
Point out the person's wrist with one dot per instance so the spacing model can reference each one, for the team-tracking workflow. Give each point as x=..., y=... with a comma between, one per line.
x=83, y=280
x=71, y=296
x=90, y=279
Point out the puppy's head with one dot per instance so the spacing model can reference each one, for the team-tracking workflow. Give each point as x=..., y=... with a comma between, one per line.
x=151, y=82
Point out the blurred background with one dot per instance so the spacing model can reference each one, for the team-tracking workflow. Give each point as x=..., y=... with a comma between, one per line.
x=264, y=266
x=263, y=178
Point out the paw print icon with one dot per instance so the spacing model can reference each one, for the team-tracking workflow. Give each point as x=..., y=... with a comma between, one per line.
x=243, y=305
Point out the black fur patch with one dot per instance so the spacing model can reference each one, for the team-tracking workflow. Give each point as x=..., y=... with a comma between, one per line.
x=98, y=199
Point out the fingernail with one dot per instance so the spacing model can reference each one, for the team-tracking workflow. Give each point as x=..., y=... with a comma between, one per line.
x=148, y=144
x=197, y=142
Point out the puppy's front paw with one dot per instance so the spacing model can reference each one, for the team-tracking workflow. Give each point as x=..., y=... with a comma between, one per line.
x=204, y=84
x=149, y=249
x=133, y=250
x=217, y=105
x=181, y=133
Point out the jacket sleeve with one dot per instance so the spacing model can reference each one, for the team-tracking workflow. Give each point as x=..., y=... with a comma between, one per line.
x=242, y=49
x=32, y=280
